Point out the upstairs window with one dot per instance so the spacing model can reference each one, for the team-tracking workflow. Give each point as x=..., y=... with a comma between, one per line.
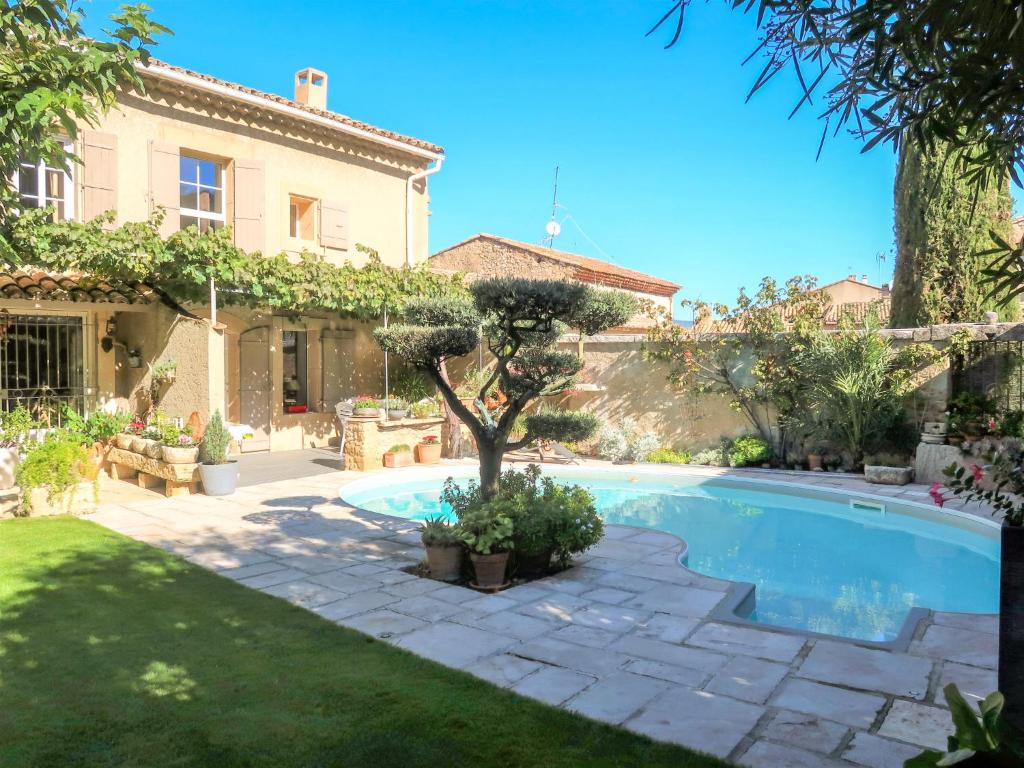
x=202, y=193
x=42, y=186
x=301, y=223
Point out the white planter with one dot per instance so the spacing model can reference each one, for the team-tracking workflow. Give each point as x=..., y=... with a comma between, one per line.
x=9, y=458
x=174, y=455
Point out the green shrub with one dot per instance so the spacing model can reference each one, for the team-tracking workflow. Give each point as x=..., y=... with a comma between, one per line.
x=714, y=457
x=749, y=451
x=216, y=440
x=366, y=402
x=57, y=464
x=625, y=442
x=488, y=529
x=399, y=448
x=97, y=427
x=424, y=410
x=15, y=426
x=395, y=404
x=669, y=456
x=1011, y=424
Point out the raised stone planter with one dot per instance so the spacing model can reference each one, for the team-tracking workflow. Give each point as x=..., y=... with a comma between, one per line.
x=888, y=475
x=366, y=440
x=932, y=459
x=177, y=479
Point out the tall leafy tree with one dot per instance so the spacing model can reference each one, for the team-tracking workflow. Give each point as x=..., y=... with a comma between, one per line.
x=521, y=321
x=53, y=78
x=944, y=238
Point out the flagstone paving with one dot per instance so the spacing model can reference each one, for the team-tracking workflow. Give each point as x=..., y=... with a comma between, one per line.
x=626, y=636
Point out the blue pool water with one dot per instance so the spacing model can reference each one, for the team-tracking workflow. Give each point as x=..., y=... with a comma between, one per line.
x=817, y=563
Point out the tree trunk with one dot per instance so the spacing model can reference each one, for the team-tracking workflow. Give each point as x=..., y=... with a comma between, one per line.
x=451, y=447
x=490, y=467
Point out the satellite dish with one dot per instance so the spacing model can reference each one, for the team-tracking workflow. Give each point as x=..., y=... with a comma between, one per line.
x=553, y=228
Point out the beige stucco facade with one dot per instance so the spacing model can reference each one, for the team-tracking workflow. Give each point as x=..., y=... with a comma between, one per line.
x=269, y=152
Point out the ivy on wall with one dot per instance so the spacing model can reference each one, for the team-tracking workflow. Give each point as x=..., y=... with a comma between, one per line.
x=180, y=267
x=944, y=224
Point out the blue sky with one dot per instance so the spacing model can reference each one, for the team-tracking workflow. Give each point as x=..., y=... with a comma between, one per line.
x=664, y=168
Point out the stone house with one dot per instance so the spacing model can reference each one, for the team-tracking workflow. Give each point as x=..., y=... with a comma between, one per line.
x=493, y=256
x=288, y=175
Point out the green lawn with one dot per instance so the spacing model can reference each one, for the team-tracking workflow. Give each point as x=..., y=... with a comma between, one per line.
x=115, y=653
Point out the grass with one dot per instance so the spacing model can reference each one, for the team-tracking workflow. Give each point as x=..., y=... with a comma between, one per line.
x=113, y=653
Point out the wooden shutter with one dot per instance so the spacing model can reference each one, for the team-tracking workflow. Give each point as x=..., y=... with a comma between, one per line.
x=338, y=365
x=249, y=197
x=164, y=184
x=99, y=173
x=333, y=225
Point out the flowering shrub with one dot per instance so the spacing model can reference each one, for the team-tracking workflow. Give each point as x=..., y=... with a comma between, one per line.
x=365, y=402
x=135, y=427
x=430, y=440
x=177, y=437
x=1004, y=474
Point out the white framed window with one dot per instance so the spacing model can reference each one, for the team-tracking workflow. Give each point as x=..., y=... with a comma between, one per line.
x=202, y=193
x=41, y=186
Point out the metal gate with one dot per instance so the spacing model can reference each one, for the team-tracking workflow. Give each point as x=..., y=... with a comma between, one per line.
x=995, y=369
x=42, y=365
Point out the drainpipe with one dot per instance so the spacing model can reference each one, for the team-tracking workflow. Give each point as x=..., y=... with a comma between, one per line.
x=409, y=246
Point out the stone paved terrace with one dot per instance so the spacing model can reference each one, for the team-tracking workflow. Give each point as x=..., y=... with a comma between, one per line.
x=625, y=636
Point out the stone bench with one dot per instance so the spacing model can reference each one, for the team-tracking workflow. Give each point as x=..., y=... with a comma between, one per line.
x=178, y=479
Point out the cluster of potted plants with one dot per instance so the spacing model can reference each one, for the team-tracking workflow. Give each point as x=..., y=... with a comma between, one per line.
x=970, y=417
x=160, y=440
x=428, y=451
x=532, y=523
x=365, y=407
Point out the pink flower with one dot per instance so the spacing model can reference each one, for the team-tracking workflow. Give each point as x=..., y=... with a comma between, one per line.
x=978, y=473
x=936, y=493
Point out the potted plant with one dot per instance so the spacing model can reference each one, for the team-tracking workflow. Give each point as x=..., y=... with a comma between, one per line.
x=396, y=408
x=365, y=406
x=425, y=410
x=123, y=440
x=178, y=446
x=14, y=432
x=816, y=458
x=428, y=450
x=487, y=534
x=165, y=372
x=59, y=464
x=398, y=456
x=443, y=544
x=150, y=440
x=219, y=473
x=969, y=417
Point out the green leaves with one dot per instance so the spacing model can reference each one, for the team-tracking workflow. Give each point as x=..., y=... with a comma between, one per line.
x=54, y=77
x=984, y=735
x=572, y=426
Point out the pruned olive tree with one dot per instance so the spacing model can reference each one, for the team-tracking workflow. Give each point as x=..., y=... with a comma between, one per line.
x=520, y=321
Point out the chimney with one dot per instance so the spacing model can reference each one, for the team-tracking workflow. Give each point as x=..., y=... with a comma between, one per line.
x=864, y=278
x=311, y=88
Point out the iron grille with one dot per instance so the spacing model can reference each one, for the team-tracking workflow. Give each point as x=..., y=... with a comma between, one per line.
x=42, y=365
x=993, y=368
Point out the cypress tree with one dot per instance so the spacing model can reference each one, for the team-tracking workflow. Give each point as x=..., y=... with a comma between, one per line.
x=942, y=225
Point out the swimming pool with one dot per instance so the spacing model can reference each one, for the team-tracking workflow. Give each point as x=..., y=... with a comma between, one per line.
x=821, y=562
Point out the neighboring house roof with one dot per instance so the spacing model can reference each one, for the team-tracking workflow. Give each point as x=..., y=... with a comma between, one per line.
x=38, y=285
x=585, y=269
x=228, y=89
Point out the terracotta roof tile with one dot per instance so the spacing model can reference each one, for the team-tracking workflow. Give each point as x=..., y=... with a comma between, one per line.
x=587, y=270
x=339, y=118
x=39, y=285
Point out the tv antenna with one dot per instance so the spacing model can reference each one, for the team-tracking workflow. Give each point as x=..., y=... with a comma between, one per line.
x=553, y=228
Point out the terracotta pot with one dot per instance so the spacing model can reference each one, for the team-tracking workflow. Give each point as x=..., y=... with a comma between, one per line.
x=814, y=461
x=1011, y=622
x=400, y=459
x=445, y=561
x=123, y=440
x=533, y=566
x=428, y=453
x=172, y=454
x=489, y=570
